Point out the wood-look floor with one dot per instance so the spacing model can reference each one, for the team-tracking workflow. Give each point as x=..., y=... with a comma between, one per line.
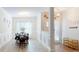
x=33, y=46
x=63, y=48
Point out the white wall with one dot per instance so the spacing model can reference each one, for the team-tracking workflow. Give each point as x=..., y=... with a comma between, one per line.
x=39, y=27
x=25, y=19
x=5, y=27
x=43, y=36
x=70, y=19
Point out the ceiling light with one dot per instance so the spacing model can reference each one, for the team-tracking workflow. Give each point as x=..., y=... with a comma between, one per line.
x=24, y=13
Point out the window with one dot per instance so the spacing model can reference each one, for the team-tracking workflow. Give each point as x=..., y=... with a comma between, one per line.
x=26, y=26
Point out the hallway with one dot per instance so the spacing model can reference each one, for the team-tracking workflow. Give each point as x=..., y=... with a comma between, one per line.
x=33, y=46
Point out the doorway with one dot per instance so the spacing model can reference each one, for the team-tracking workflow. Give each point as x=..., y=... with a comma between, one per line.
x=27, y=26
x=58, y=31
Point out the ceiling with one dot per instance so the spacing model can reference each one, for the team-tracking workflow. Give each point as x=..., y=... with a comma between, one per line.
x=13, y=11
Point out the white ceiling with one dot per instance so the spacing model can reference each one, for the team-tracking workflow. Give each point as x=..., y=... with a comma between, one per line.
x=13, y=11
